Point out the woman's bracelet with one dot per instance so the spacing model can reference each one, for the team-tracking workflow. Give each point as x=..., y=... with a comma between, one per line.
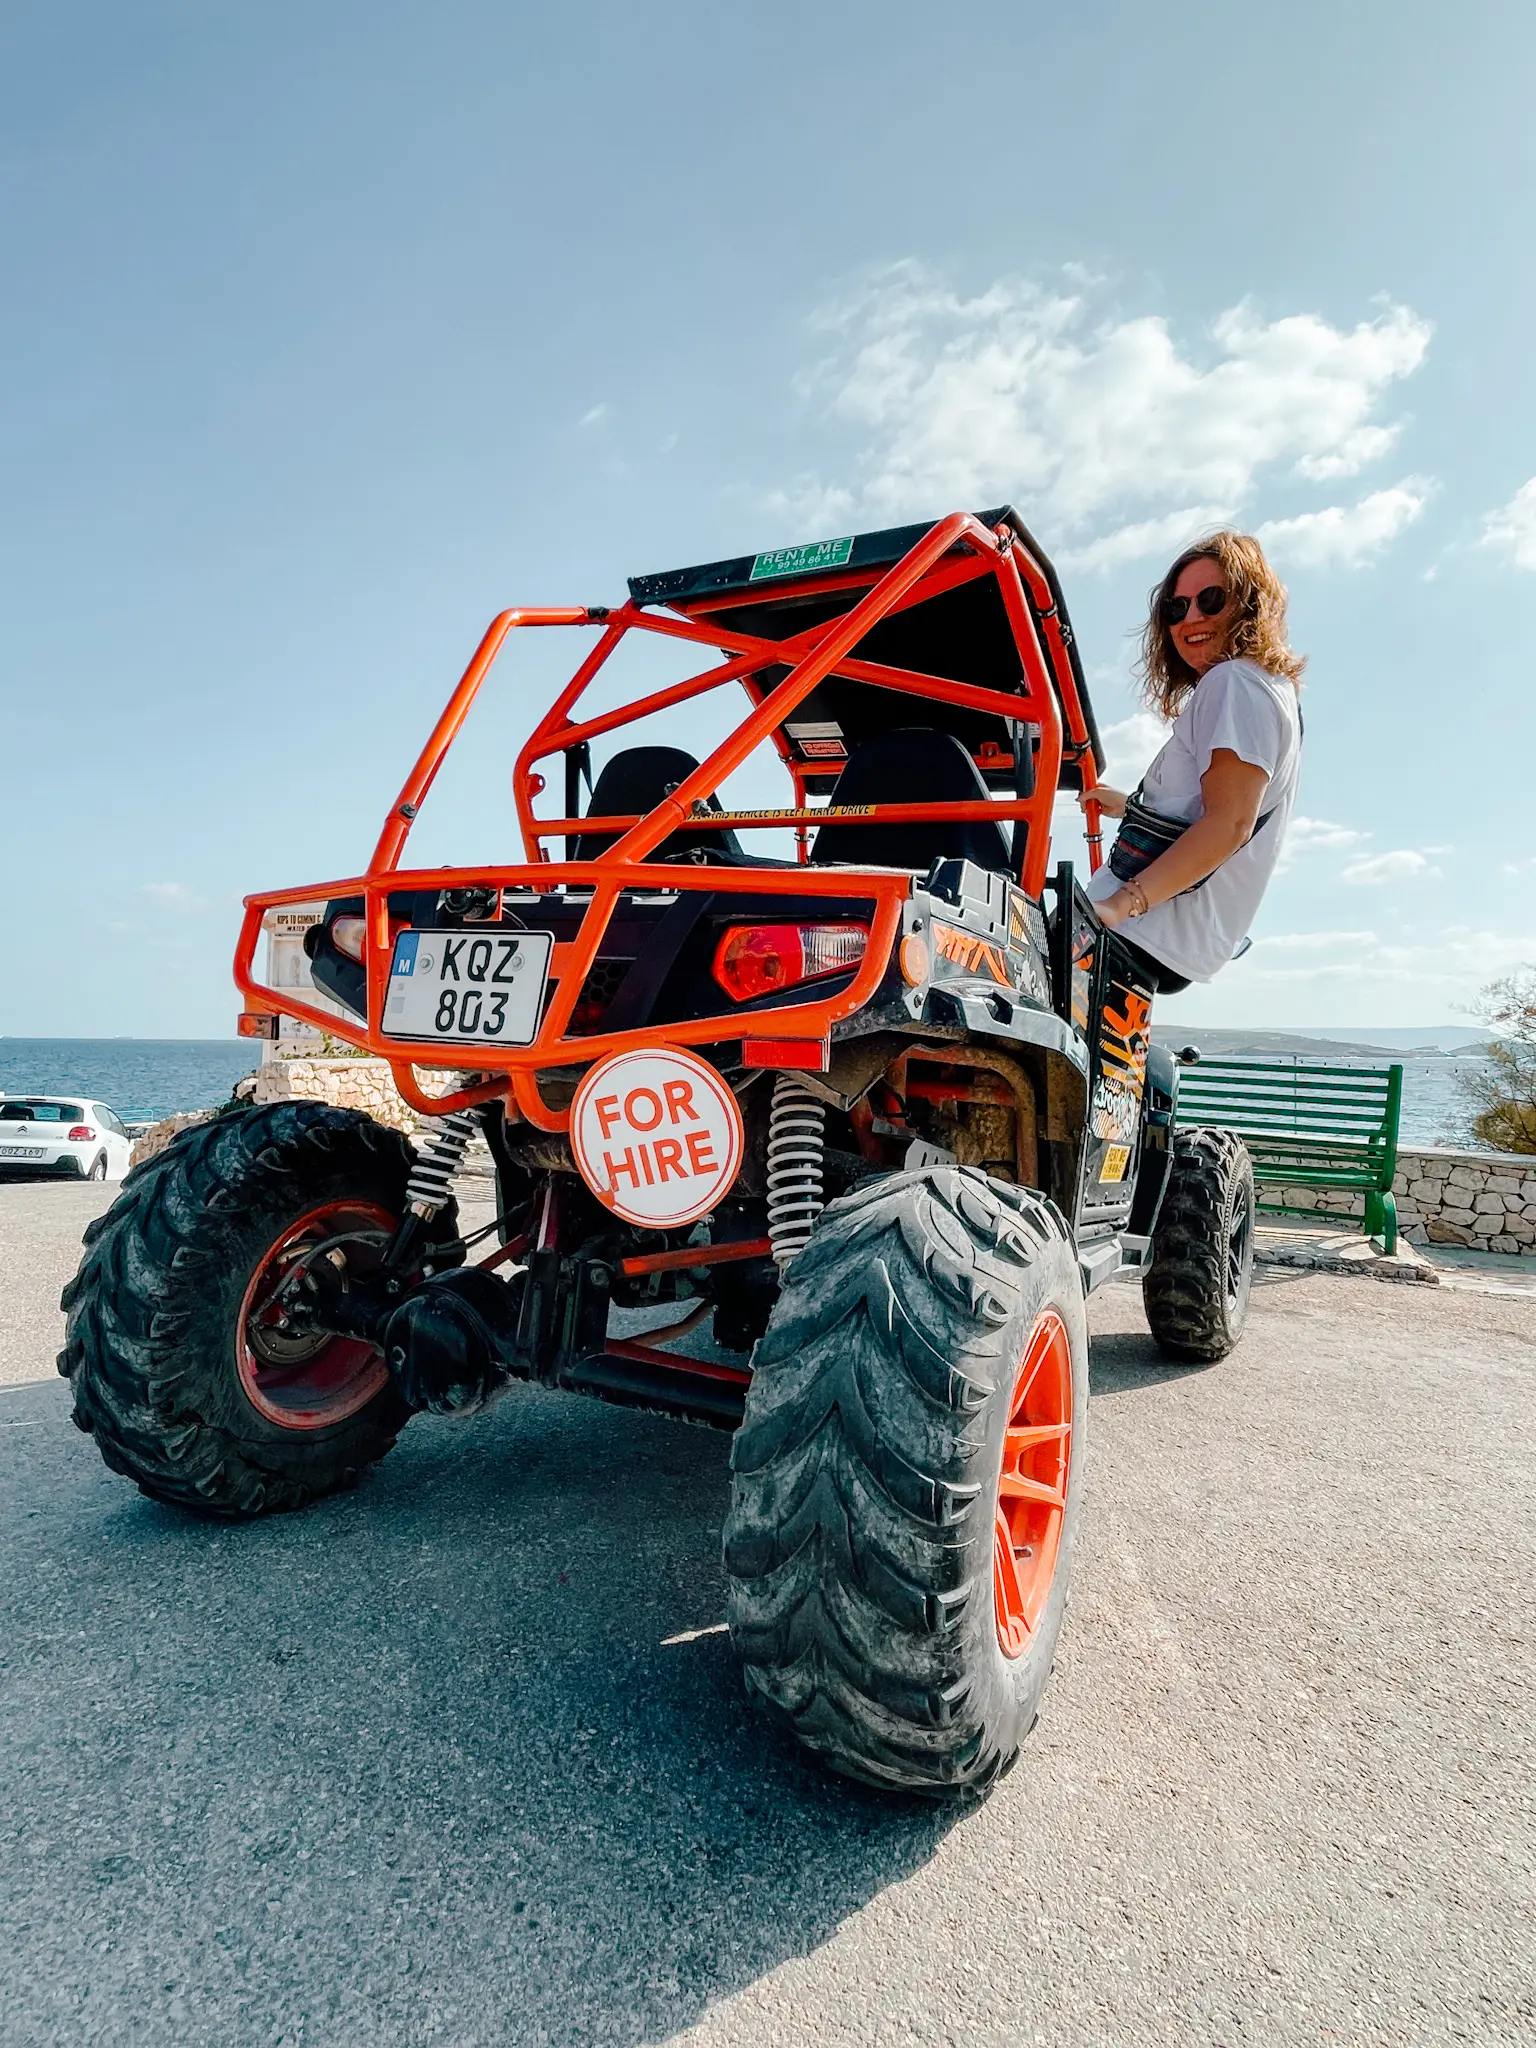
x=1138, y=894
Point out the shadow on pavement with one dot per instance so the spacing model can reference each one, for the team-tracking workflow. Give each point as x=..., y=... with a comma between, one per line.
x=453, y=1758
x=1120, y=1362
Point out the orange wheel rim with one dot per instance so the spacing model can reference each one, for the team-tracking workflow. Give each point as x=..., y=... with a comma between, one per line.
x=308, y=1383
x=1032, y=1486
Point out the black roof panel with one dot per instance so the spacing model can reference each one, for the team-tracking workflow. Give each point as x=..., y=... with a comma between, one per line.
x=761, y=571
x=964, y=634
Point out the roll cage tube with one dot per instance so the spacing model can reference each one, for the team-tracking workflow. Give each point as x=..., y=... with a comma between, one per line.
x=929, y=568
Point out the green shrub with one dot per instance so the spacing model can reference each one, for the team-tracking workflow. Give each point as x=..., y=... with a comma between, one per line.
x=1503, y=1095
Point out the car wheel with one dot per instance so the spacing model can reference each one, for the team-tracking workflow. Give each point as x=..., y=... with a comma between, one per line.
x=98, y=1167
x=175, y=1347
x=906, y=1483
x=1196, y=1290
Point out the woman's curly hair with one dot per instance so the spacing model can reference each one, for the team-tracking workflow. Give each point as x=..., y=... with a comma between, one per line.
x=1258, y=636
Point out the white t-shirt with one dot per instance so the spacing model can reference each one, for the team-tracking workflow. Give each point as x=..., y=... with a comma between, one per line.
x=1242, y=707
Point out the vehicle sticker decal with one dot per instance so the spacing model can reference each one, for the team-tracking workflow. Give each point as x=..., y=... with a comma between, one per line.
x=973, y=955
x=1114, y=1113
x=1082, y=976
x=820, y=740
x=790, y=817
x=1126, y=1037
x=800, y=561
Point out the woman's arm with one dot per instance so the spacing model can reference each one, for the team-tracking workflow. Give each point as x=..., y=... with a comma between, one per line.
x=1232, y=790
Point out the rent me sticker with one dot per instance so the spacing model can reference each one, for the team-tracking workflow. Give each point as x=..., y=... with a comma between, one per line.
x=812, y=554
x=657, y=1136
x=1116, y=1159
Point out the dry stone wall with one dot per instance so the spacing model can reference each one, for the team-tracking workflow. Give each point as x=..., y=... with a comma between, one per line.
x=346, y=1084
x=1483, y=1199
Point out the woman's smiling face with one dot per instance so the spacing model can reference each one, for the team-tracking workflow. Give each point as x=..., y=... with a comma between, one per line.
x=1200, y=638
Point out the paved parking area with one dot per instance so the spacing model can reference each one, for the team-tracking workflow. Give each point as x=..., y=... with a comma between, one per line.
x=463, y=1757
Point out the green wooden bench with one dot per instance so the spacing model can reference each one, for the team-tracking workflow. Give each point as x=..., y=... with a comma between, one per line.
x=1311, y=1127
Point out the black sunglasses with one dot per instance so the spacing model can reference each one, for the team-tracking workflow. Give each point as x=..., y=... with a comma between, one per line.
x=1211, y=601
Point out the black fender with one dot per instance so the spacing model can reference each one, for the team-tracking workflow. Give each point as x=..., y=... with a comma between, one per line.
x=1159, y=1108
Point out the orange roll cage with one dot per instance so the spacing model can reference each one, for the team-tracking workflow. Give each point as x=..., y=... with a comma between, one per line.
x=954, y=551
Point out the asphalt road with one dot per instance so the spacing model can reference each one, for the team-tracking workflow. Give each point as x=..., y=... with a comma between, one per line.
x=463, y=1757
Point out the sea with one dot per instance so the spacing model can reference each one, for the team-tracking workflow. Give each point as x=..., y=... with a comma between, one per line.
x=147, y=1078
x=143, y=1079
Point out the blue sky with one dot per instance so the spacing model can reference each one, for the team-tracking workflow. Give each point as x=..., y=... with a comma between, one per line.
x=331, y=329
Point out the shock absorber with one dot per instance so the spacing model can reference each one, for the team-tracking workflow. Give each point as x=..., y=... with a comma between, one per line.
x=796, y=1156
x=438, y=1152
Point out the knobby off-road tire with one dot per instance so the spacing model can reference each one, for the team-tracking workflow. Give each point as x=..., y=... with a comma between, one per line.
x=861, y=1541
x=1196, y=1289
x=182, y=1389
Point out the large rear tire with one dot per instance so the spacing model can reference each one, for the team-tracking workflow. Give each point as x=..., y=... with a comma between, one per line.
x=1196, y=1289
x=906, y=1481
x=179, y=1366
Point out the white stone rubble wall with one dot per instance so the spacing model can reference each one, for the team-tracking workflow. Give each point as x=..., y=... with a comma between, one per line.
x=1483, y=1199
x=367, y=1085
x=344, y=1083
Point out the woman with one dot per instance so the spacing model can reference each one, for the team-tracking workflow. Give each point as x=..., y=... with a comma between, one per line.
x=1215, y=662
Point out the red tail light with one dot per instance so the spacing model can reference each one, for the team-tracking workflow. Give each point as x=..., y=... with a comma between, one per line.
x=347, y=936
x=757, y=959
x=81, y=1134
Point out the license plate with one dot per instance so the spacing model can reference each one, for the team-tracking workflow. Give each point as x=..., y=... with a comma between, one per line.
x=22, y=1151
x=483, y=986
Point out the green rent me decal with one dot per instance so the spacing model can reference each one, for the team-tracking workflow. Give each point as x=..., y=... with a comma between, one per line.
x=813, y=554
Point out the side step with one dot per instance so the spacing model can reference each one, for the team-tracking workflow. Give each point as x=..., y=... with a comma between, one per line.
x=1111, y=1255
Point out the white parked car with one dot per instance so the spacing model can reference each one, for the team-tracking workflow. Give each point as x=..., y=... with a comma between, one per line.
x=62, y=1134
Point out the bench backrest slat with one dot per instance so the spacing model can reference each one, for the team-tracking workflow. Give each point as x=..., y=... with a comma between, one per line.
x=1314, y=1125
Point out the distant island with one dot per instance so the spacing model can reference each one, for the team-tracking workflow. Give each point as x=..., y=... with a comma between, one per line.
x=1389, y=1044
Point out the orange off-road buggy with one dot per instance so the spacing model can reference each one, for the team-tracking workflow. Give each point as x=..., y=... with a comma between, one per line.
x=888, y=1110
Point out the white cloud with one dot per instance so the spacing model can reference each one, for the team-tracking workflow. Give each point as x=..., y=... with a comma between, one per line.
x=1377, y=868
x=1315, y=835
x=1145, y=538
x=594, y=415
x=1444, y=967
x=1512, y=529
x=1129, y=745
x=808, y=506
x=1318, y=942
x=1307, y=835
x=1347, y=535
x=1099, y=426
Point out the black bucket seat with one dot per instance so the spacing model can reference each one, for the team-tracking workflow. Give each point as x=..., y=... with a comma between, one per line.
x=635, y=781
x=913, y=765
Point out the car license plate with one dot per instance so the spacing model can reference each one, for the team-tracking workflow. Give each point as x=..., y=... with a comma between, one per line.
x=22, y=1151
x=485, y=986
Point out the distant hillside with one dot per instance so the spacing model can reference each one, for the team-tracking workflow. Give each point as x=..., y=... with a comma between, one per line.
x=1219, y=1044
